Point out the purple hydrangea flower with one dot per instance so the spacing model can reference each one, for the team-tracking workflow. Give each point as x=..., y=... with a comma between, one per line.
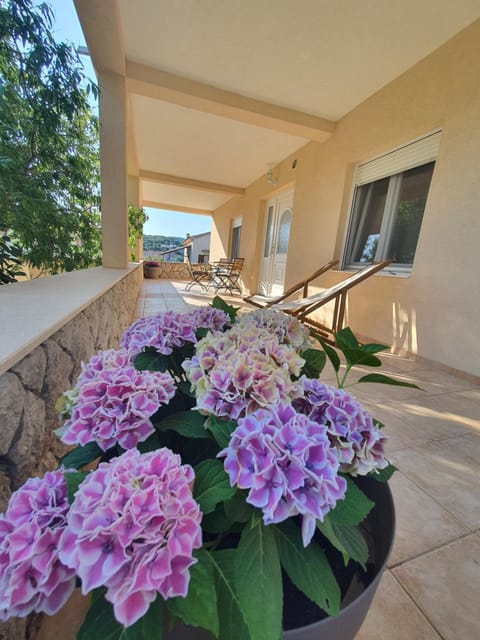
x=237, y=372
x=32, y=577
x=358, y=442
x=132, y=528
x=285, y=461
x=113, y=402
x=170, y=329
x=287, y=329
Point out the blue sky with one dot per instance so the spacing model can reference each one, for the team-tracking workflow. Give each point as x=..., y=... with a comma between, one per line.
x=67, y=29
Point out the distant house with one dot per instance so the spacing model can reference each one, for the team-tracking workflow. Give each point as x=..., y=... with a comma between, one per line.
x=197, y=248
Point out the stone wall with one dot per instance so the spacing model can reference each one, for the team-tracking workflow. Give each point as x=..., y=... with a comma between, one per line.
x=29, y=390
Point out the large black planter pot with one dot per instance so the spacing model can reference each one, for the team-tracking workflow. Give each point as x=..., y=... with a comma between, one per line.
x=380, y=526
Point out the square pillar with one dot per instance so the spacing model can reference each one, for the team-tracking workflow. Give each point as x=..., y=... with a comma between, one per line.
x=113, y=170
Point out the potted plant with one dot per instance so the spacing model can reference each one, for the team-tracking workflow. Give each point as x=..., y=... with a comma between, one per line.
x=230, y=486
x=152, y=269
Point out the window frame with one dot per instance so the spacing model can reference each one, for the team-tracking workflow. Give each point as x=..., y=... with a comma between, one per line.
x=392, y=165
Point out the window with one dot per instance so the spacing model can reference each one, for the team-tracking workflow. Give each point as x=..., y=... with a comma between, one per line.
x=388, y=204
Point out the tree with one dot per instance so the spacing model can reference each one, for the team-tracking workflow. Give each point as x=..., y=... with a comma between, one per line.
x=49, y=173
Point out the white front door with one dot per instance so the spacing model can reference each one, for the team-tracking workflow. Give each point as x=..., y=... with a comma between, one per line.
x=278, y=218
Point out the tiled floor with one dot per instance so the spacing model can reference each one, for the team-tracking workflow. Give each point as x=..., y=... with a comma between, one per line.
x=432, y=588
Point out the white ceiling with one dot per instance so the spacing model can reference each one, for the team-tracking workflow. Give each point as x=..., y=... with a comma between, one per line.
x=318, y=57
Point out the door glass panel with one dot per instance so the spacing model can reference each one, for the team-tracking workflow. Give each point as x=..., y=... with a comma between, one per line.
x=268, y=233
x=284, y=231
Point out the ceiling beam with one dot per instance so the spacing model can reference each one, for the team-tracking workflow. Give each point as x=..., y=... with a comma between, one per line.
x=161, y=85
x=175, y=207
x=164, y=178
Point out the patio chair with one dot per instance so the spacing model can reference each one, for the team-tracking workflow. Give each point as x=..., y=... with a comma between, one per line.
x=303, y=308
x=262, y=302
x=226, y=275
x=199, y=274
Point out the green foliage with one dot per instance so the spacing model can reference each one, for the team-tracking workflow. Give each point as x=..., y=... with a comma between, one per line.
x=357, y=354
x=136, y=219
x=100, y=623
x=80, y=456
x=73, y=479
x=10, y=260
x=258, y=582
x=198, y=608
x=211, y=485
x=218, y=303
x=314, y=362
x=347, y=539
x=308, y=568
x=49, y=144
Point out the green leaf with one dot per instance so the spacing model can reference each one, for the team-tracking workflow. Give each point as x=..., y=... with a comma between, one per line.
x=345, y=339
x=354, y=508
x=80, y=456
x=217, y=521
x=73, y=479
x=383, y=475
x=332, y=355
x=101, y=624
x=237, y=508
x=221, y=429
x=308, y=568
x=314, y=362
x=211, y=485
x=218, y=303
x=347, y=539
x=358, y=356
x=186, y=389
x=152, y=443
x=232, y=624
x=151, y=360
x=258, y=582
x=199, y=607
x=382, y=379
x=187, y=423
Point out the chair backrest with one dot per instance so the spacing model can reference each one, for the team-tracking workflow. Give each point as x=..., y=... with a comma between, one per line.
x=305, y=306
x=238, y=263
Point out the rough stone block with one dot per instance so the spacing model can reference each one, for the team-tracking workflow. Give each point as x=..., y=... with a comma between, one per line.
x=12, y=396
x=26, y=452
x=76, y=338
x=5, y=491
x=31, y=370
x=57, y=380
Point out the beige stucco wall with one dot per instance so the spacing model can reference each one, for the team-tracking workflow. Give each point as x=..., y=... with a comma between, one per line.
x=435, y=311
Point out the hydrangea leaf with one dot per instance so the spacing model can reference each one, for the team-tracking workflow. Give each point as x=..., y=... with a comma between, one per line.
x=308, y=568
x=237, y=508
x=332, y=355
x=383, y=475
x=347, y=539
x=199, y=607
x=314, y=362
x=221, y=429
x=211, y=485
x=354, y=508
x=218, y=303
x=151, y=360
x=258, y=582
x=217, y=521
x=80, y=456
x=73, y=479
x=187, y=423
x=100, y=623
x=383, y=379
x=232, y=624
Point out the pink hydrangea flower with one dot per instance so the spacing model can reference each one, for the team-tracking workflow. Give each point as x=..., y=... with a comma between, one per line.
x=112, y=402
x=285, y=461
x=132, y=528
x=287, y=329
x=237, y=372
x=32, y=577
x=170, y=329
x=358, y=442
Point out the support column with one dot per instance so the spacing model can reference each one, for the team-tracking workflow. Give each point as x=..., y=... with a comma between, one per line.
x=134, y=197
x=113, y=161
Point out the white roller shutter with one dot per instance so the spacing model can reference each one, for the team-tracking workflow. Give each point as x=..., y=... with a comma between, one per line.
x=407, y=157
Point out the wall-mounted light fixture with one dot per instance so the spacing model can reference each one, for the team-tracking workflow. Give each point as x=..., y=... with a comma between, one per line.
x=270, y=177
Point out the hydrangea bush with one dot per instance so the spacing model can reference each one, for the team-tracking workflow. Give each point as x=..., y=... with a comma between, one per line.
x=208, y=456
